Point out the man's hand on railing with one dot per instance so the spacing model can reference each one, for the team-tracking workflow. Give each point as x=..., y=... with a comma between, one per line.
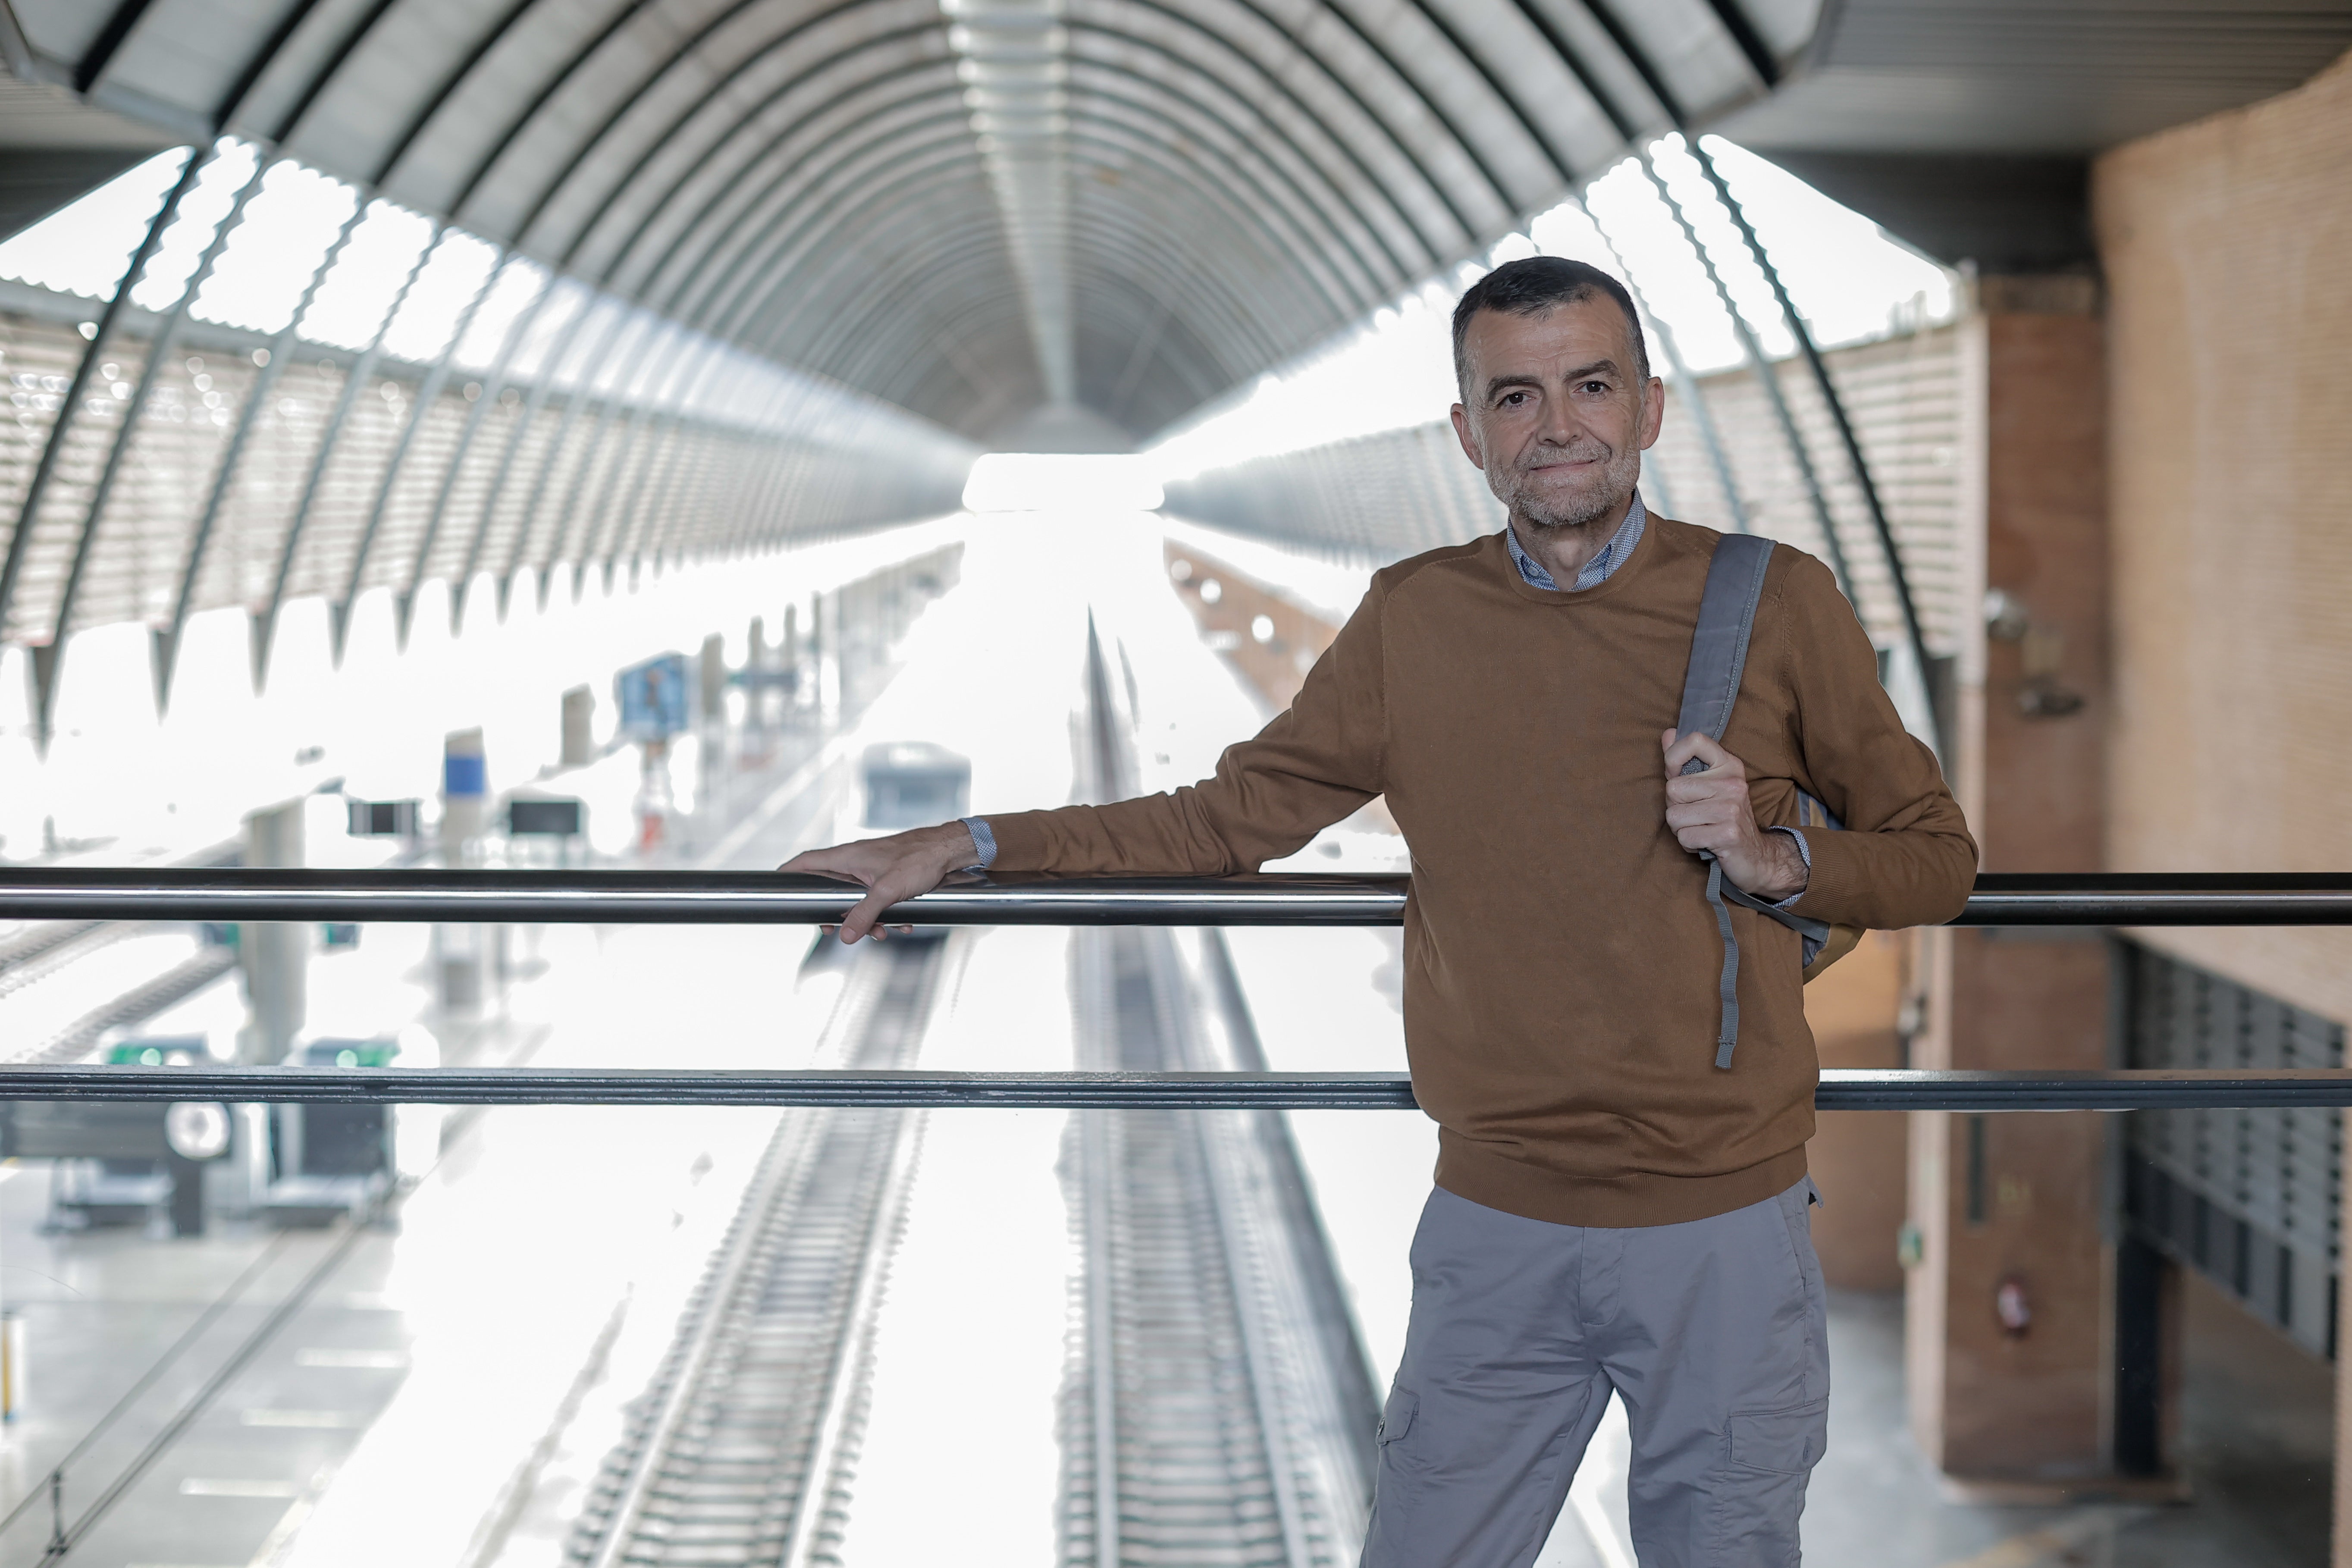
x=891, y=869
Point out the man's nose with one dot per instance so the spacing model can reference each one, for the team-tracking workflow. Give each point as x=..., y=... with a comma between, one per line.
x=1560, y=424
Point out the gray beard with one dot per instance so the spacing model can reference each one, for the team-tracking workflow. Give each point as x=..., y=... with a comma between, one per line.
x=1608, y=504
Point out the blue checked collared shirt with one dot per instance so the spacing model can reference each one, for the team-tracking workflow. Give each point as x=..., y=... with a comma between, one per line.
x=1592, y=575
x=1595, y=572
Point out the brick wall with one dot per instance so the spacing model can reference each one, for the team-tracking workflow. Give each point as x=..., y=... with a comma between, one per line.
x=2225, y=245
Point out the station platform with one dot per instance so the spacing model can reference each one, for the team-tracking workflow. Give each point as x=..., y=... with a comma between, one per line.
x=452, y=1384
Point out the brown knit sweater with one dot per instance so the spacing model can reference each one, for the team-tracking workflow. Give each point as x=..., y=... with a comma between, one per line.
x=1560, y=958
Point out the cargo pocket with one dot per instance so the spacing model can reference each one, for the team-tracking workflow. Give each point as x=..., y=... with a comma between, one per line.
x=1759, y=1488
x=1396, y=1416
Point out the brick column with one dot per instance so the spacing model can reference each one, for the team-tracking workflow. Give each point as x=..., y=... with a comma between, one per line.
x=2015, y=1207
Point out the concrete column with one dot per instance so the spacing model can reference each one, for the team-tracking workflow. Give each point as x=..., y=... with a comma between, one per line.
x=1855, y=1009
x=275, y=957
x=2011, y=1298
x=579, y=727
x=710, y=669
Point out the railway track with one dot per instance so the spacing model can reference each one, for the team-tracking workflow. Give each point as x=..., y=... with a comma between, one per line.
x=1217, y=1408
x=742, y=1449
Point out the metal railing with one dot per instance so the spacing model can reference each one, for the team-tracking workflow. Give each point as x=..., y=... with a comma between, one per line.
x=752, y=899
x=760, y=897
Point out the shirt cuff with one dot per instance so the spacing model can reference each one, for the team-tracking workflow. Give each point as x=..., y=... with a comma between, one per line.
x=985, y=842
x=1804, y=851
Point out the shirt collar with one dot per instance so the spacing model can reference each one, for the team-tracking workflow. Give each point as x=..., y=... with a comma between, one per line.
x=1594, y=572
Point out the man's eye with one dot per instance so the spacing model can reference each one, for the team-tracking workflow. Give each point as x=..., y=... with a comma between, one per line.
x=1596, y=386
x=1512, y=399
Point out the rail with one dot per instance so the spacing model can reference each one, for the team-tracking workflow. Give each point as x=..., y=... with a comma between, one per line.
x=740, y=898
x=732, y=898
x=1841, y=1088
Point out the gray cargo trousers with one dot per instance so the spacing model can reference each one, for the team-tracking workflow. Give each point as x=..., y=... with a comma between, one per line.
x=1713, y=1332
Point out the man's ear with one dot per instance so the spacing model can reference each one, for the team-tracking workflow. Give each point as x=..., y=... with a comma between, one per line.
x=1470, y=443
x=1654, y=411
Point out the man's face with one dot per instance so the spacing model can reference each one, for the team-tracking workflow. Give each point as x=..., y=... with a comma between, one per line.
x=1555, y=412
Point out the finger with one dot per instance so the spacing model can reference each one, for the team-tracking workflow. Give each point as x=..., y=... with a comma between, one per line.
x=1703, y=746
x=860, y=920
x=824, y=863
x=1681, y=749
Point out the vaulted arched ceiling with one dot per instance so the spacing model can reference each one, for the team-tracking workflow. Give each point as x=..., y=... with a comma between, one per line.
x=972, y=207
x=977, y=207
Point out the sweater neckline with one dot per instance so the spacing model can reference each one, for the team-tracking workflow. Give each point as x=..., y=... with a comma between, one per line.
x=1644, y=548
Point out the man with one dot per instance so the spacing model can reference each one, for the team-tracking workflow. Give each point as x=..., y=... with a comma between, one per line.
x=1613, y=1211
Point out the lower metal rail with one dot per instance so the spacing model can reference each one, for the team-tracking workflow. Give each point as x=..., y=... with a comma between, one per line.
x=1841, y=1088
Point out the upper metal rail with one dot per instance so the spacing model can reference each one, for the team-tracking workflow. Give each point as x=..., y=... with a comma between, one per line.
x=738, y=897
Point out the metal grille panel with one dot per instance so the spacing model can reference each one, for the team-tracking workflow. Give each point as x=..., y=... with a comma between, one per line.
x=2251, y=1199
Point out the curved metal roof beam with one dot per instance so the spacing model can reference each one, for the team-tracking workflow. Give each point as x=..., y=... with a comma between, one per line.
x=1138, y=252
x=1164, y=359
x=691, y=216
x=713, y=283
x=1259, y=81
x=714, y=248
x=919, y=311
x=1183, y=364
x=1514, y=100
x=826, y=177
x=681, y=129
x=1001, y=311
x=1217, y=204
x=1427, y=125
x=1368, y=128
x=556, y=81
x=939, y=165
x=778, y=258
x=1373, y=181
x=774, y=333
x=338, y=56
x=1340, y=134
x=1367, y=283
x=451, y=81
x=1335, y=207
x=852, y=320
x=732, y=301
x=1366, y=293
x=683, y=55
x=1445, y=50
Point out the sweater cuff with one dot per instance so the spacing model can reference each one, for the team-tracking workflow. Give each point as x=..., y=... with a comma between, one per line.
x=1836, y=885
x=1019, y=840
x=1804, y=853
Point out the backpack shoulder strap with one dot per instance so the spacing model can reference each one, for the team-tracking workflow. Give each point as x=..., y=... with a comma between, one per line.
x=1727, y=615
